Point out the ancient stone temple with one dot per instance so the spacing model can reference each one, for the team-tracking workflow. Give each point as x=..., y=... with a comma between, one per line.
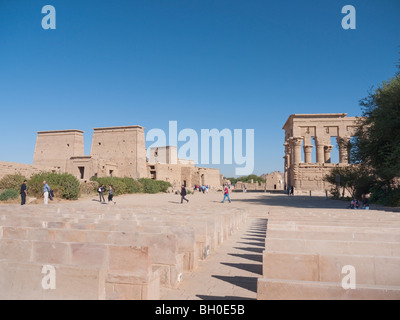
x=116, y=152
x=305, y=132
x=164, y=164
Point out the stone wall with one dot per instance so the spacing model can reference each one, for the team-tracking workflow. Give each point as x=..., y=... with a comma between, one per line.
x=27, y=170
x=310, y=177
x=189, y=175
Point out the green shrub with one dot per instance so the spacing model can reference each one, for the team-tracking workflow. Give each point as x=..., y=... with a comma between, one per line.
x=130, y=185
x=381, y=194
x=163, y=185
x=133, y=186
x=9, y=194
x=149, y=185
x=12, y=181
x=88, y=187
x=119, y=186
x=64, y=185
x=154, y=186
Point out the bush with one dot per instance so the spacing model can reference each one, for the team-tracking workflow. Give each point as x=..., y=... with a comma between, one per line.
x=381, y=194
x=149, y=185
x=154, y=186
x=64, y=185
x=12, y=181
x=9, y=194
x=120, y=185
x=130, y=185
x=88, y=187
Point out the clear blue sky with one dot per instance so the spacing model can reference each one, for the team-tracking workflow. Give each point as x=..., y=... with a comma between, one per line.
x=236, y=64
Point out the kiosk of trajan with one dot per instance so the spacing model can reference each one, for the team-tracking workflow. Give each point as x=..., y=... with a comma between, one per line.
x=305, y=132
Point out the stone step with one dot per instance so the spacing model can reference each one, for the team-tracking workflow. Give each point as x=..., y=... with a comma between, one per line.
x=118, y=271
x=333, y=246
x=372, y=270
x=334, y=235
x=279, y=289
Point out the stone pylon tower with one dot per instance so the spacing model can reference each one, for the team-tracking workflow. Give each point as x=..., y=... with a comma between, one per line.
x=124, y=146
x=55, y=148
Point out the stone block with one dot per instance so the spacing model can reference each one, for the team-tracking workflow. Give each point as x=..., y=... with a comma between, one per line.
x=132, y=260
x=50, y=252
x=23, y=281
x=278, y=289
x=15, y=250
x=281, y=265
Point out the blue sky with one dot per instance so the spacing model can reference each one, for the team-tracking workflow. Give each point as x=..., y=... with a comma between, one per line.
x=237, y=64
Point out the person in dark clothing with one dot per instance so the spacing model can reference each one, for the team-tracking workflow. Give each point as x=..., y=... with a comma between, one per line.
x=23, y=192
x=292, y=191
x=183, y=194
x=111, y=194
x=101, y=190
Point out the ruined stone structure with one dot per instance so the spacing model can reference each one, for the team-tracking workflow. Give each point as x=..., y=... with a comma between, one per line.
x=273, y=181
x=164, y=165
x=26, y=170
x=116, y=151
x=300, y=130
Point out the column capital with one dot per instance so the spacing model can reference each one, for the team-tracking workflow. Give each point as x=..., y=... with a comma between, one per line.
x=297, y=141
x=343, y=141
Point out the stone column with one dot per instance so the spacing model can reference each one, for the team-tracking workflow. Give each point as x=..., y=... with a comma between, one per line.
x=319, y=144
x=297, y=141
x=307, y=153
x=343, y=149
x=327, y=151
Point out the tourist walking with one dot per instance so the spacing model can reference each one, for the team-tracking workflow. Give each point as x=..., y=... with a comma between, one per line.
x=101, y=193
x=183, y=194
x=292, y=191
x=111, y=194
x=46, y=191
x=226, y=194
x=23, y=192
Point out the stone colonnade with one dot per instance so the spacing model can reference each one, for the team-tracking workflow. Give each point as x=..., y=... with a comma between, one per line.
x=300, y=131
x=323, y=150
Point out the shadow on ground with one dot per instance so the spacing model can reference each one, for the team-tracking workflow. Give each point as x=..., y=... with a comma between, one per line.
x=252, y=260
x=319, y=202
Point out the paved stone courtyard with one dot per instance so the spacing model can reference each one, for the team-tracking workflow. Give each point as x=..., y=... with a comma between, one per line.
x=153, y=247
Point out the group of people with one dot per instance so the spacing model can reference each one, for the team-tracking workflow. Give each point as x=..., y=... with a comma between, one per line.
x=202, y=188
x=356, y=204
x=290, y=190
x=47, y=192
x=183, y=193
x=102, y=190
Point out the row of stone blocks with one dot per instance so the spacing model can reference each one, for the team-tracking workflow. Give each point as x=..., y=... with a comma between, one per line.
x=331, y=254
x=103, y=253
